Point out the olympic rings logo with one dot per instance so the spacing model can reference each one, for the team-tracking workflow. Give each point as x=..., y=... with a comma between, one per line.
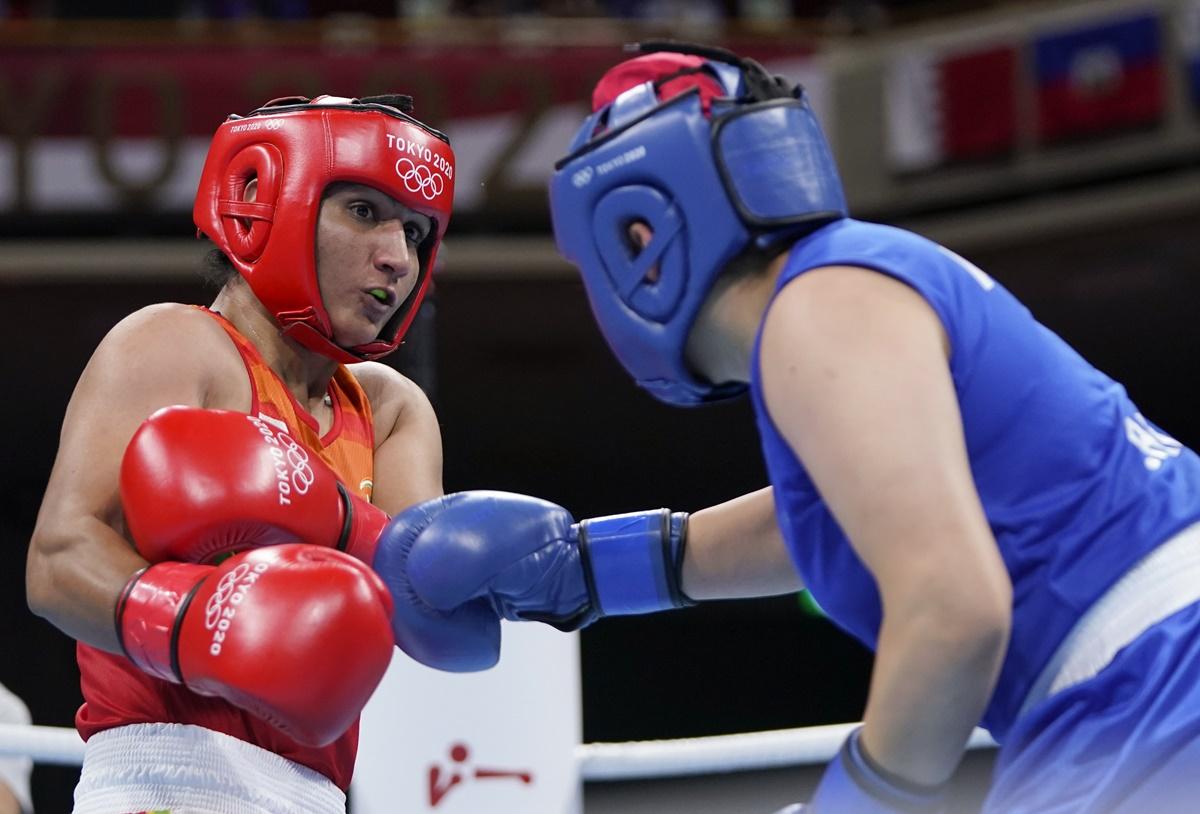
x=297, y=458
x=223, y=594
x=419, y=178
x=582, y=178
x=293, y=473
x=222, y=605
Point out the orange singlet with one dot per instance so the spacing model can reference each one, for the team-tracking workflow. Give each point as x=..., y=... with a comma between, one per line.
x=117, y=693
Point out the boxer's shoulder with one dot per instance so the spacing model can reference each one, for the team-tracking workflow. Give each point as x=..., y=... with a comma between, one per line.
x=393, y=396
x=172, y=342
x=184, y=329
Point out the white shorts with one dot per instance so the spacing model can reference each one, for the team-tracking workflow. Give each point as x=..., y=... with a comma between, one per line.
x=188, y=769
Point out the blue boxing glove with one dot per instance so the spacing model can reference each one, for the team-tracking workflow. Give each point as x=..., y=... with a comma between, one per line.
x=459, y=564
x=854, y=784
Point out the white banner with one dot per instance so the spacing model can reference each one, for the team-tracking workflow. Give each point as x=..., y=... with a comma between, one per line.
x=501, y=741
x=1189, y=28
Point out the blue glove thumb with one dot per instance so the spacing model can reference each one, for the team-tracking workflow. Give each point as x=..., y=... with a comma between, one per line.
x=464, y=638
x=503, y=546
x=458, y=564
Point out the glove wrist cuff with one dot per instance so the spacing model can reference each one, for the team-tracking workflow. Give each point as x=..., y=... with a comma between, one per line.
x=632, y=561
x=915, y=790
x=148, y=614
x=362, y=524
x=855, y=776
x=678, y=550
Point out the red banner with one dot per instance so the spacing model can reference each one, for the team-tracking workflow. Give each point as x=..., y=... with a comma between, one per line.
x=98, y=129
x=145, y=91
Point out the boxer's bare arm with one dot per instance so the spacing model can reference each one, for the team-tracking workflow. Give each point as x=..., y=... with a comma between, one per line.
x=735, y=549
x=408, y=441
x=8, y=801
x=855, y=375
x=79, y=559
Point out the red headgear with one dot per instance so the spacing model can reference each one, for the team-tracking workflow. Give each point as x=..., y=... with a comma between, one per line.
x=295, y=148
x=671, y=73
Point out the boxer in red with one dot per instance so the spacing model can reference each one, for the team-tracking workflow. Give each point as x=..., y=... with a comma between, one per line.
x=226, y=644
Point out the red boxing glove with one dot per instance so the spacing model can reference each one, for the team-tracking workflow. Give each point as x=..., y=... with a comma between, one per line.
x=198, y=483
x=295, y=634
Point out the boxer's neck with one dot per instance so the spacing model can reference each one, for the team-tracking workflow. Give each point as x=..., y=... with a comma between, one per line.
x=306, y=373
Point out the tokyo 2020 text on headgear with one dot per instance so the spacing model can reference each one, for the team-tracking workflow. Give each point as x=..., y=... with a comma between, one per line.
x=712, y=153
x=294, y=148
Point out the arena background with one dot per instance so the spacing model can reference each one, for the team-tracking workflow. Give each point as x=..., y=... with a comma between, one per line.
x=1081, y=194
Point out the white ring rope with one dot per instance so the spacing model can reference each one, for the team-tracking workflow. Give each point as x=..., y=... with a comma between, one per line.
x=58, y=745
x=806, y=746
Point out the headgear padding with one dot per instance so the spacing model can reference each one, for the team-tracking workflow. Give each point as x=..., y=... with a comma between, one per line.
x=712, y=153
x=294, y=148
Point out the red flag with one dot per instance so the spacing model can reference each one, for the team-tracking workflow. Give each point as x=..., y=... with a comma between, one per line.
x=952, y=106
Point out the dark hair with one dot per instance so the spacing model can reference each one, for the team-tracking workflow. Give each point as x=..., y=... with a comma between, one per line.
x=751, y=260
x=216, y=270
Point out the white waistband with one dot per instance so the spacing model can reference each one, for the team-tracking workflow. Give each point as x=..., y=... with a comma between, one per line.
x=1163, y=582
x=192, y=770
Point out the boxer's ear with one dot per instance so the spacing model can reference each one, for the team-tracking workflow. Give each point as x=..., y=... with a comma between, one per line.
x=247, y=205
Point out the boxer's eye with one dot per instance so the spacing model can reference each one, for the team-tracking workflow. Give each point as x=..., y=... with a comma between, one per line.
x=417, y=229
x=363, y=210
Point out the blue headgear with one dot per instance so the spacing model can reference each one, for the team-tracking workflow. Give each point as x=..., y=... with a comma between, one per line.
x=757, y=168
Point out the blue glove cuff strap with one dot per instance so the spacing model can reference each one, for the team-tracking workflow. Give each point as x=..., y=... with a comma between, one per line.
x=853, y=782
x=632, y=561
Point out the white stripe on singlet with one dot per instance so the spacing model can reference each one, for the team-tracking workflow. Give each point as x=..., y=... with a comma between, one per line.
x=1159, y=585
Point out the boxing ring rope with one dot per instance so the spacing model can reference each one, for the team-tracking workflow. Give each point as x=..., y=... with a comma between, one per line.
x=634, y=760
x=752, y=751
x=55, y=745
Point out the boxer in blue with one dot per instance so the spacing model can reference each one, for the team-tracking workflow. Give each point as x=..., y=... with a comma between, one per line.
x=958, y=488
